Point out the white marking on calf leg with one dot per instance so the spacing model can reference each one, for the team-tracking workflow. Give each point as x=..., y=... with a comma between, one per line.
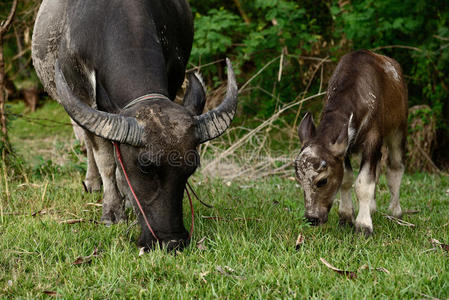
x=346, y=208
x=365, y=188
x=113, y=209
x=395, y=170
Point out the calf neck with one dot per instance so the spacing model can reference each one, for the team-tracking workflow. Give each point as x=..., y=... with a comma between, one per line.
x=365, y=108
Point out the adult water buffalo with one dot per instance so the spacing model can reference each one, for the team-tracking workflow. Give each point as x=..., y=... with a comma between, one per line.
x=116, y=66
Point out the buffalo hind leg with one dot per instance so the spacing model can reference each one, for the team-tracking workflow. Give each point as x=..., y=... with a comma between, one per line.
x=346, y=208
x=395, y=170
x=365, y=187
x=113, y=206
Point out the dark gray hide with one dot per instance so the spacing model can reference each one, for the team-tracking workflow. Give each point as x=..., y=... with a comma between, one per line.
x=95, y=58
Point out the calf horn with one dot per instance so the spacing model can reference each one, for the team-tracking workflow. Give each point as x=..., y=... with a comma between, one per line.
x=113, y=127
x=215, y=122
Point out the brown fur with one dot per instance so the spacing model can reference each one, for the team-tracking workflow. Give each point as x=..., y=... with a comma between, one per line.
x=366, y=106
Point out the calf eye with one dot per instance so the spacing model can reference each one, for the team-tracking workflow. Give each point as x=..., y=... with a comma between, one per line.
x=321, y=183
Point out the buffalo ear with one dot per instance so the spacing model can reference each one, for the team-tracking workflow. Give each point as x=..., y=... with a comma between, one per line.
x=341, y=144
x=195, y=97
x=306, y=129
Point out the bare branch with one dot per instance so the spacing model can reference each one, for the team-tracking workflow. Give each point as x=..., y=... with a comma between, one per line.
x=5, y=25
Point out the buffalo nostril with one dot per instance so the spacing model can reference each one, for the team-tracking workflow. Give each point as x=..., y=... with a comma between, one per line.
x=313, y=221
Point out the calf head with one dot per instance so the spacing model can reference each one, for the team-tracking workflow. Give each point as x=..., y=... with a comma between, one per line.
x=319, y=169
x=158, y=141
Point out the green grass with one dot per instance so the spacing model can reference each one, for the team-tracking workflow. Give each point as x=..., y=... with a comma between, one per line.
x=249, y=252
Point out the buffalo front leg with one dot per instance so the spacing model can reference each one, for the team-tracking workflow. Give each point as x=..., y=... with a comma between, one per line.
x=346, y=208
x=93, y=178
x=113, y=206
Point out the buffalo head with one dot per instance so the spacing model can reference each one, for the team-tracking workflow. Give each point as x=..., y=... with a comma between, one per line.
x=158, y=140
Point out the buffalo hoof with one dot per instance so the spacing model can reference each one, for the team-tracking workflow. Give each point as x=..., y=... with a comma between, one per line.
x=111, y=218
x=170, y=245
x=92, y=186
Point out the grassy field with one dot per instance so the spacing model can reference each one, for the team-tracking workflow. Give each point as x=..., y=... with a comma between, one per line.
x=244, y=247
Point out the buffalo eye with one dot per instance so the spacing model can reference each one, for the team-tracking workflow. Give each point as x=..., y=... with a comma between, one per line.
x=321, y=183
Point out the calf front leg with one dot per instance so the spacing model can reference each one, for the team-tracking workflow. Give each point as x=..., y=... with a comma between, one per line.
x=113, y=208
x=346, y=208
x=365, y=188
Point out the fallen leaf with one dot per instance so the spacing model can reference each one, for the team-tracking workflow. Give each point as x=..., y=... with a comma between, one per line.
x=40, y=212
x=216, y=218
x=86, y=259
x=72, y=221
x=76, y=221
x=380, y=269
x=349, y=274
x=50, y=293
x=203, y=275
x=247, y=219
x=226, y=270
x=443, y=246
x=200, y=244
x=411, y=212
x=229, y=269
x=94, y=204
x=299, y=241
x=398, y=221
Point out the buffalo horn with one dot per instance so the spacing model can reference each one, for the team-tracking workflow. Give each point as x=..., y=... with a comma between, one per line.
x=113, y=127
x=215, y=122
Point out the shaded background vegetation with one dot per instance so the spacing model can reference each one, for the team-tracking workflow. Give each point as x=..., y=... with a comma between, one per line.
x=297, y=44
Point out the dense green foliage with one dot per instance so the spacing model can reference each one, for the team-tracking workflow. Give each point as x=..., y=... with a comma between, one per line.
x=415, y=33
x=258, y=34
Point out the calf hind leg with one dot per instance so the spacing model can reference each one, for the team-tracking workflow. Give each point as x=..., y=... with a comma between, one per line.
x=395, y=170
x=346, y=208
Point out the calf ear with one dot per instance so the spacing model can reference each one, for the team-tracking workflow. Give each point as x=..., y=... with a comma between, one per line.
x=195, y=97
x=306, y=129
x=341, y=144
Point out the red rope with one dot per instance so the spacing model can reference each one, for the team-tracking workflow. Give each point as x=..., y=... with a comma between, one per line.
x=119, y=156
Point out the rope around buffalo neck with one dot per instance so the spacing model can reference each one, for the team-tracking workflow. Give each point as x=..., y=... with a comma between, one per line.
x=120, y=159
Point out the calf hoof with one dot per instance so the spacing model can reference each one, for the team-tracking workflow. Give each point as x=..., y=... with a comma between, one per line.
x=345, y=218
x=395, y=211
x=346, y=221
x=367, y=231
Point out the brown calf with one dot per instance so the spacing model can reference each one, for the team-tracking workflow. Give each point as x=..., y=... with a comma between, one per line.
x=366, y=108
